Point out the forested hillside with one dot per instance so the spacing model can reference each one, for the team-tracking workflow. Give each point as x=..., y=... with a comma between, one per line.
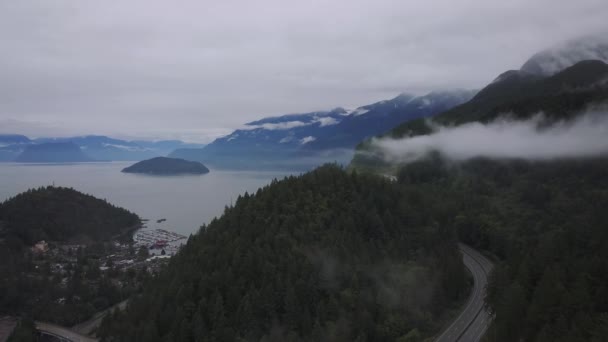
x=62, y=214
x=546, y=222
x=61, y=283
x=327, y=256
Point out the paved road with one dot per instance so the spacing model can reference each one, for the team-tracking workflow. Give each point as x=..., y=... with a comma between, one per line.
x=63, y=334
x=88, y=327
x=473, y=321
x=79, y=332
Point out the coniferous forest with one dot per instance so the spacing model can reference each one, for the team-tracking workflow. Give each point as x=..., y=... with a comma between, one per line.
x=545, y=222
x=63, y=285
x=327, y=256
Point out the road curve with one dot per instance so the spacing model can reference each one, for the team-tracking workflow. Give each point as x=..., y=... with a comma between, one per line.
x=474, y=319
x=88, y=327
x=62, y=333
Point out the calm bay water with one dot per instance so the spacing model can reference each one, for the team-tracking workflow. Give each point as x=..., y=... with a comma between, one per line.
x=186, y=202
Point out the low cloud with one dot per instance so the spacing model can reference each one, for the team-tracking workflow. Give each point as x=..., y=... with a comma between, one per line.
x=326, y=121
x=307, y=139
x=535, y=139
x=278, y=126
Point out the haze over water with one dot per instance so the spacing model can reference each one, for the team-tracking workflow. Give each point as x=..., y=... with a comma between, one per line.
x=186, y=202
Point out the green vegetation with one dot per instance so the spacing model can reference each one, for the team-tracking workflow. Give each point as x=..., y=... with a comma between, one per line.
x=62, y=214
x=327, y=256
x=546, y=223
x=62, y=283
x=167, y=166
x=25, y=331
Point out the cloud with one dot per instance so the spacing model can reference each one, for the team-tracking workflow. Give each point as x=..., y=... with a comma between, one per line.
x=307, y=139
x=278, y=126
x=152, y=68
x=326, y=121
x=585, y=136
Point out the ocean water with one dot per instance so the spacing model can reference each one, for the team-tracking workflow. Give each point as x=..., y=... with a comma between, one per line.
x=186, y=202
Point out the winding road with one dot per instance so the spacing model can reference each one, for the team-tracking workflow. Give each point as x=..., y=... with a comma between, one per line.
x=469, y=326
x=81, y=332
x=62, y=334
x=474, y=319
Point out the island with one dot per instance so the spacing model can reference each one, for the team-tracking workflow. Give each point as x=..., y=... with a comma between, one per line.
x=167, y=166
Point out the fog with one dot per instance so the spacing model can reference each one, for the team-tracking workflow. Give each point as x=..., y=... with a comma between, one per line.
x=507, y=138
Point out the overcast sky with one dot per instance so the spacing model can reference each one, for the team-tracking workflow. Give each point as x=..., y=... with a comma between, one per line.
x=198, y=69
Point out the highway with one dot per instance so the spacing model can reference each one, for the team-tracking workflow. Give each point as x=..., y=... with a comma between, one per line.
x=88, y=327
x=61, y=333
x=474, y=319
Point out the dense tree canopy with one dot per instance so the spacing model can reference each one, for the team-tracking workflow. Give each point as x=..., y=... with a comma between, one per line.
x=62, y=214
x=59, y=286
x=327, y=256
x=546, y=222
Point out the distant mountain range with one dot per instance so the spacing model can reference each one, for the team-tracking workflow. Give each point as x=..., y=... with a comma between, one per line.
x=305, y=140
x=92, y=148
x=308, y=139
x=59, y=152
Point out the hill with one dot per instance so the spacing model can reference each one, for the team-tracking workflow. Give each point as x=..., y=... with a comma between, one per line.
x=61, y=281
x=62, y=214
x=327, y=255
x=167, y=166
x=65, y=152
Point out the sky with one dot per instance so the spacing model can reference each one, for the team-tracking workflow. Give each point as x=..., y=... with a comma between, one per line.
x=195, y=70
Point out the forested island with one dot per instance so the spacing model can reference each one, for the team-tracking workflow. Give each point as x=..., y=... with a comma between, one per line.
x=167, y=166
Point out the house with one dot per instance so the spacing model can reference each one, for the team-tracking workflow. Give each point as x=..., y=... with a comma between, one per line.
x=40, y=247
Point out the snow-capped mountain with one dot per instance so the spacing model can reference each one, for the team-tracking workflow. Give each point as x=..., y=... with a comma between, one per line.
x=558, y=58
x=323, y=133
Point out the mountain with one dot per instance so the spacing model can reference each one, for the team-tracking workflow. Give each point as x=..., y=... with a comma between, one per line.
x=105, y=148
x=326, y=256
x=167, y=166
x=97, y=147
x=377, y=118
x=518, y=95
x=558, y=58
x=8, y=139
x=310, y=139
x=101, y=147
x=63, y=152
x=11, y=145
